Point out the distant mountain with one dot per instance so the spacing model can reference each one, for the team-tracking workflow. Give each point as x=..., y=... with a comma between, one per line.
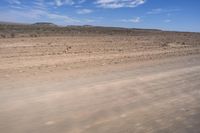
x=79, y=26
x=45, y=24
x=10, y=29
x=12, y=23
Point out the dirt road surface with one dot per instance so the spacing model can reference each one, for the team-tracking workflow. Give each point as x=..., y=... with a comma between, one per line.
x=100, y=84
x=152, y=97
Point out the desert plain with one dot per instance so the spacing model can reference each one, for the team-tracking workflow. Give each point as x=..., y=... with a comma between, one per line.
x=140, y=82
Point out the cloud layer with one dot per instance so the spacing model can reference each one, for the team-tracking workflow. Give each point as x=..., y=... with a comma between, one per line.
x=119, y=3
x=49, y=10
x=84, y=11
x=133, y=20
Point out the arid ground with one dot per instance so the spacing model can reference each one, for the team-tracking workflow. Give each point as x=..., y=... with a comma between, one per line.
x=106, y=83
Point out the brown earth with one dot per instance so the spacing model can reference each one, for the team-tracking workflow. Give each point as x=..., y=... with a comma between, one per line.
x=101, y=84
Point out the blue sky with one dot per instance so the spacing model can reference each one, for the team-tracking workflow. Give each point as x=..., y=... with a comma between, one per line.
x=180, y=15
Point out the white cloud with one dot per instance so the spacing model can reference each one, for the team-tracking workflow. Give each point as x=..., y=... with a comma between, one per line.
x=84, y=11
x=16, y=7
x=14, y=2
x=81, y=1
x=40, y=11
x=63, y=2
x=40, y=4
x=119, y=3
x=155, y=11
x=30, y=15
x=133, y=20
x=75, y=3
x=160, y=10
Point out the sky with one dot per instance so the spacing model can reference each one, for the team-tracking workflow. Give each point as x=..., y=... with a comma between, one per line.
x=175, y=15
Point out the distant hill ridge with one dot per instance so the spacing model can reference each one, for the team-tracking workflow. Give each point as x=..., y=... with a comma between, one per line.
x=11, y=30
x=44, y=24
x=48, y=24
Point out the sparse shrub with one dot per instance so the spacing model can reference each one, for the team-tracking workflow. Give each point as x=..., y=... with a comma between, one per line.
x=183, y=43
x=12, y=35
x=164, y=44
x=3, y=36
x=67, y=49
x=33, y=35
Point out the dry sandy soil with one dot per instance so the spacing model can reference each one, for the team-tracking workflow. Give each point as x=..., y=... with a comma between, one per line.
x=100, y=84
